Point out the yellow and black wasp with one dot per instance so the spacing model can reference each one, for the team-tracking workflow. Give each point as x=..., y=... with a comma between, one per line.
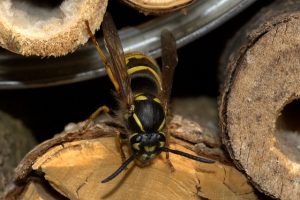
x=143, y=90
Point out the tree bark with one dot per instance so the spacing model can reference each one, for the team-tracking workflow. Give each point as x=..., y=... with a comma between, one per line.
x=15, y=141
x=47, y=28
x=74, y=163
x=260, y=100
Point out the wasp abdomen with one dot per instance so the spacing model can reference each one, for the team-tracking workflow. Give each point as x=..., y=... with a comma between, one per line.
x=144, y=73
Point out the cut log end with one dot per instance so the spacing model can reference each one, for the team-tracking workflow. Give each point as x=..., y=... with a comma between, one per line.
x=83, y=164
x=157, y=7
x=47, y=28
x=74, y=163
x=260, y=104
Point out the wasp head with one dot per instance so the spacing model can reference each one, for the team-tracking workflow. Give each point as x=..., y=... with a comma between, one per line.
x=147, y=146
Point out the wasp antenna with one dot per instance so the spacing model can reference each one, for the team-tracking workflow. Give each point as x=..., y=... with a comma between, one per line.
x=121, y=168
x=181, y=153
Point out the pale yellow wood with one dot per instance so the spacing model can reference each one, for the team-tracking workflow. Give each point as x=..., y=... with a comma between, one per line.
x=75, y=169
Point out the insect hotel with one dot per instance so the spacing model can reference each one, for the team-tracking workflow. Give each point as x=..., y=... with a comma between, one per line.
x=149, y=99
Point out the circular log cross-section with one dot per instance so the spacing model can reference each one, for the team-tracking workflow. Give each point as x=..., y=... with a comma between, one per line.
x=47, y=28
x=260, y=106
x=158, y=6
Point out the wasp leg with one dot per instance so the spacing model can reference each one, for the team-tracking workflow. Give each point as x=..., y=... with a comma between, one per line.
x=120, y=140
x=94, y=115
x=169, y=163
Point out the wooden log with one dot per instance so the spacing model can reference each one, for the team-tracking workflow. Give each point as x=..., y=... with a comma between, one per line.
x=259, y=103
x=35, y=190
x=15, y=141
x=47, y=28
x=158, y=6
x=204, y=128
x=74, y=163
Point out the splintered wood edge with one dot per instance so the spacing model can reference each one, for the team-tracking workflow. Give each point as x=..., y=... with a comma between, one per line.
x=158, y=7
x=83, y=164
x=181, y=128
x=25, y=166
x=54, y=32
x=285, y=172
x=37, y=191
x=101, y=132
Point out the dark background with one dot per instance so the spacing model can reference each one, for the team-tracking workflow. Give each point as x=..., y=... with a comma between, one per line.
x=47, y=110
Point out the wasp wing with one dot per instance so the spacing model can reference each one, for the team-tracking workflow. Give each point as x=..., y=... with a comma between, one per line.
x=169, y=62
x=118, y=68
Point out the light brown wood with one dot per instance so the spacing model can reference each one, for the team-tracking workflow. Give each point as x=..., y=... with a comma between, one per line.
x=261, y=92
x=74, y=162
x=158, y=6
x=83, y=164
x=47, y=28
x=196, y=121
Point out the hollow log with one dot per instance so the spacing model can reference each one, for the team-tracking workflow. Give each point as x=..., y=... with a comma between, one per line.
x=47, y=28
x=259, y=106
x=74, y=162
x=157, y=7
x=15, y=141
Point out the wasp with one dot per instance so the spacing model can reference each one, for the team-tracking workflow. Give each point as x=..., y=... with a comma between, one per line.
x=143, y=90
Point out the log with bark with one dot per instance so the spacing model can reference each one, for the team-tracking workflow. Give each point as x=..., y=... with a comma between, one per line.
x=47, y=28
x=15, y=141
x=72, y=164
x=259, y=103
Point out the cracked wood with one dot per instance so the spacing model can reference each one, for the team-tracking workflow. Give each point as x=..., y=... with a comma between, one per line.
x=74, y=163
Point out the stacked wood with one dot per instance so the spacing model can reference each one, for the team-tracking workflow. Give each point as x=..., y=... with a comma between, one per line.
x=47, y=28
x=259, y=104
x=72, y=164
x=158, y=6
x=15, y=141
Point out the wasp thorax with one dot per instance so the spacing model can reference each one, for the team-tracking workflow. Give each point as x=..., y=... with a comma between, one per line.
x=148, y=114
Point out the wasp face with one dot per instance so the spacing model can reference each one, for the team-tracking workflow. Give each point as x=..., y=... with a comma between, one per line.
x=147, y=121
x=148, y=145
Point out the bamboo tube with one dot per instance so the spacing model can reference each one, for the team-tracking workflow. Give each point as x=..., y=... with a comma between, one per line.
x=47, y=28
x=158, y=6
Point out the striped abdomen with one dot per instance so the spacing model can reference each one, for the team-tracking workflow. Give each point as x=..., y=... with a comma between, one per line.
x=144, y=73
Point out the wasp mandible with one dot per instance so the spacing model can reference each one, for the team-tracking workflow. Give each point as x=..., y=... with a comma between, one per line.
x=143, y=90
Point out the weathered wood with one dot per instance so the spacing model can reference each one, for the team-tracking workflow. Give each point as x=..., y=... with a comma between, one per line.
x=158, y=6
x=75, y=162
x=197, y=122
x=15, y=141
x=47, y=28
x=261, y=82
